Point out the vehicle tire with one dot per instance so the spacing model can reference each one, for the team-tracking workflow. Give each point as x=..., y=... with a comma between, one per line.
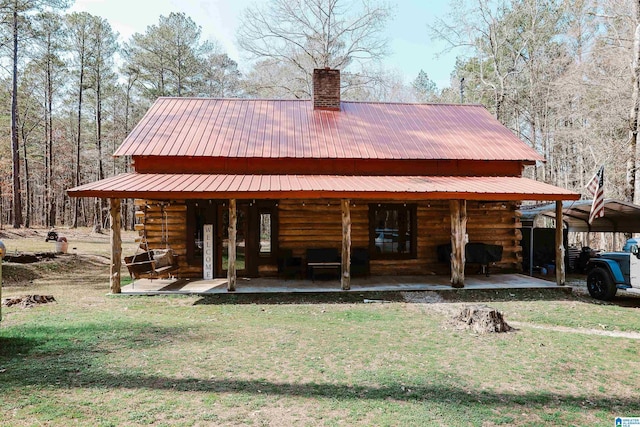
x=600, y=284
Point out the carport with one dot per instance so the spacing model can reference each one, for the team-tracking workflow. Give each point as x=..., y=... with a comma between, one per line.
x=619, y=217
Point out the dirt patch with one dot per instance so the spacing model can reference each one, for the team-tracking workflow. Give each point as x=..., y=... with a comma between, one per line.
x=28, y=301
x=22, y=275
x=18, y=274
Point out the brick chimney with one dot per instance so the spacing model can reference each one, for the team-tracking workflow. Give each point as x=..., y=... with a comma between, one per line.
x=326, y=89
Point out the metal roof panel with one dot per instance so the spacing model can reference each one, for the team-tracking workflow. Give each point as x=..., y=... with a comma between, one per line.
x=287, y=129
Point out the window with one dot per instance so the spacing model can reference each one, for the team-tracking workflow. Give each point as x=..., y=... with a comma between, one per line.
x=265, y=234
x=392, y=231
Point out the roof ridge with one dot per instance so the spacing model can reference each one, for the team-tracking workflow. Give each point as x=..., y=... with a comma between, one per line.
x=449, y=104
x=211, y=98
x=207, y=98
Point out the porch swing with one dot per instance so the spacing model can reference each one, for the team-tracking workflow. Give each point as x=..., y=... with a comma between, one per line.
x=151, y=263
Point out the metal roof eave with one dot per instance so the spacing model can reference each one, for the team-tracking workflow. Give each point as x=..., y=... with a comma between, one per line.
x=184, y=186
x=321, y=194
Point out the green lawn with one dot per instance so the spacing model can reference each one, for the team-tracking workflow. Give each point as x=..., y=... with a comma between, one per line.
x=97, y=360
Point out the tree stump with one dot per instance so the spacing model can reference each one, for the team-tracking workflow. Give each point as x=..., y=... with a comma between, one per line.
x=481, y=319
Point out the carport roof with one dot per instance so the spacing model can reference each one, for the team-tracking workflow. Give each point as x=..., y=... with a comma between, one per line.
x=619, y=216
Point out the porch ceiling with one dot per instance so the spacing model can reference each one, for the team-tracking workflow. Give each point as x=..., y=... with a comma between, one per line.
x=218, y=186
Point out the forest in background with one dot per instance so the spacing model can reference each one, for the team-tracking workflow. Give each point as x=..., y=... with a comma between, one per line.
x=562, y=75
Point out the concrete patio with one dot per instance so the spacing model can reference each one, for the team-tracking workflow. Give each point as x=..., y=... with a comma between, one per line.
x=369, y=284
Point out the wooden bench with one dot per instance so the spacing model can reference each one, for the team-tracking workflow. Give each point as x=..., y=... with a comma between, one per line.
x=323, y=261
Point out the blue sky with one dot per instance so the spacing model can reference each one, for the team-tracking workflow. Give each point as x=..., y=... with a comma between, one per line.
x=410, y=42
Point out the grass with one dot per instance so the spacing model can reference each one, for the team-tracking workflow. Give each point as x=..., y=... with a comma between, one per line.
x=93, y=359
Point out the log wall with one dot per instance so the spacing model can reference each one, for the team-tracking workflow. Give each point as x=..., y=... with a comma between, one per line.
x=318, y=224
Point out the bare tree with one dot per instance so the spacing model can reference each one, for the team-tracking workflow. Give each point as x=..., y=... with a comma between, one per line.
x=103, y=45
x=486, y=31
x=301, y=35
x=47, y=55
x=29, y=121
x=634, y=159
x=79, y=28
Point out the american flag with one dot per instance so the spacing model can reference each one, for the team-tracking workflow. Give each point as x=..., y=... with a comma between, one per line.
x=596, y=188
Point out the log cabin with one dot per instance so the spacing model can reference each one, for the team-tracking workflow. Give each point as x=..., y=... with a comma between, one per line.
x=243, y=187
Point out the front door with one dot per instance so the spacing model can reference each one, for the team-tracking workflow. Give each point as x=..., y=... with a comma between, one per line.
x=256, y=228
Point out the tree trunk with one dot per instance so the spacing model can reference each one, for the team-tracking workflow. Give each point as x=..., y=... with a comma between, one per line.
x=116, y=246
x=346, y=245
x=15, y=146
x=79, y=139
x=633, y=189
x=459, y=241
x=97, y=226
x=49, y=178
x=49, y=204
x=231, y=268
x=560, y=273
x=27, y=181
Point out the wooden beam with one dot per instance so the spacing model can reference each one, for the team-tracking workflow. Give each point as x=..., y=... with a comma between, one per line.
x=459, y=239
x=116, y=245
x=231, y=269
x=560, y=273
x=345, y=278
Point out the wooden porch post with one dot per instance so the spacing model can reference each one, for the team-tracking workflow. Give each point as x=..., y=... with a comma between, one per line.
x=560, y=273
x=116, y=245
x=231, y=269
x=459, y=239
x=346, y=245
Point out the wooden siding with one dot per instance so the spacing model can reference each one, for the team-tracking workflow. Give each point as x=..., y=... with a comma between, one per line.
x=318, y=224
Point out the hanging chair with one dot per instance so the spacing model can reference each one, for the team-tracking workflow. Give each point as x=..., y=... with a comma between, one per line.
x=152, y=263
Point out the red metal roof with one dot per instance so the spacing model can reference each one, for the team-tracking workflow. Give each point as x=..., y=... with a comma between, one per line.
x=201, y=186
x=243, y=128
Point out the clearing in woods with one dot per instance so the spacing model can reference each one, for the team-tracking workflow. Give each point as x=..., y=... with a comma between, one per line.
x=90, y=358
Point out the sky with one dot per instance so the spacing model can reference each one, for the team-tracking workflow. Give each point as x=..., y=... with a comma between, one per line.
x=410, y=44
